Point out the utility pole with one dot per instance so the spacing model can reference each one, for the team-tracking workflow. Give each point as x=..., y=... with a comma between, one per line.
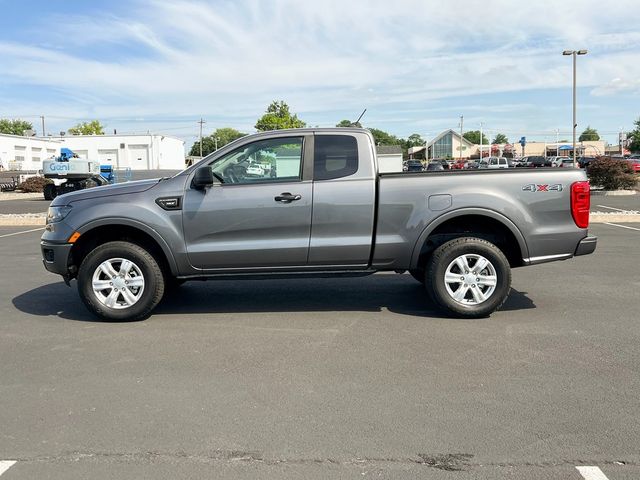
x=44, y=134
x=557, y=142
x=480, y=140
x=201, y=122
x=574, y=54
x=461, y=124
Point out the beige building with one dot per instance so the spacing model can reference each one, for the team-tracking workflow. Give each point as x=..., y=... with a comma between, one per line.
x=449, y=144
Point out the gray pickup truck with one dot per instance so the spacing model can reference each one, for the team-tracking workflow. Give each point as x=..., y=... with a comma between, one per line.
x=311, y=202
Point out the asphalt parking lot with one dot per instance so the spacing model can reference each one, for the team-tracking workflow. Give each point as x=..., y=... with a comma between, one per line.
x=326, y=378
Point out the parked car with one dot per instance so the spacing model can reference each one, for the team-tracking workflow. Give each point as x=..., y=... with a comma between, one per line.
x=635, y=163
x=414, y=166
x=256, y=170
x=538, y=161
x=556, y=161
x=326, y=211
x=434, y=166
x=584, y=162
x=567, y=162
x=493, y=163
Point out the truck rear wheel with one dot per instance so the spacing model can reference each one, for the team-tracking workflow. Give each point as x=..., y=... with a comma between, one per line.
x=120, y=281
x=468, y=277
x=50, y=191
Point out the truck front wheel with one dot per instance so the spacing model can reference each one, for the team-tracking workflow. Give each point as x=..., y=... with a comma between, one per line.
x=468, y=277
x=120, y=281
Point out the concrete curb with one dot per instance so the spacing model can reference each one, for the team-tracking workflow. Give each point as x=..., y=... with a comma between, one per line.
x=12, y=220
x=612, y=193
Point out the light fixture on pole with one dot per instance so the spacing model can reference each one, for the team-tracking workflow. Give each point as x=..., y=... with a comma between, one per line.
x=574, y=53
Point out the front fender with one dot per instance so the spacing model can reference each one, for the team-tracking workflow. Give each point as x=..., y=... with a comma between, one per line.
x=129, y=222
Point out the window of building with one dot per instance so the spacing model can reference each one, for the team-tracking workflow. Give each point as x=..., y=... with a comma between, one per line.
x=335, y=156
x=443, y=147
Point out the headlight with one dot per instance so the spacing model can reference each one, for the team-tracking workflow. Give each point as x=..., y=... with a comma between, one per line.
x=56, y=214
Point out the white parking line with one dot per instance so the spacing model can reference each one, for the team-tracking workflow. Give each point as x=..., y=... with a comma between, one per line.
x=622, y=226
x=592, y=473
x=6, y=465
x=612, y=208
x=18, y=233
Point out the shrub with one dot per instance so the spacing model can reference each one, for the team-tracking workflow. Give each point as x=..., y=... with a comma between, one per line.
x=611, y=174
x=34, y=184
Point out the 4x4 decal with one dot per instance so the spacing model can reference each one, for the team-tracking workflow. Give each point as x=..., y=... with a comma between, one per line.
x=533, y=187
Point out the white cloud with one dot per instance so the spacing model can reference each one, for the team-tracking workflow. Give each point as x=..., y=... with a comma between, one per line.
x=229, y=59
x=616, y=86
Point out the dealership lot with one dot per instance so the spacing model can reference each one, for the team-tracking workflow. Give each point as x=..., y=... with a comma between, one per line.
x=324, y=378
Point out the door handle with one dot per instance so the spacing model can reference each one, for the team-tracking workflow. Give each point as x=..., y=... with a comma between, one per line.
x=287, y=197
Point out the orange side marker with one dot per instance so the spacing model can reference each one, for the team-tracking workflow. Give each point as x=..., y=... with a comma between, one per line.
x=74, y=237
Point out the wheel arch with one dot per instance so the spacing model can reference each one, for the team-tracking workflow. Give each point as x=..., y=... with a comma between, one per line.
x=106, y=230
x=479, y=222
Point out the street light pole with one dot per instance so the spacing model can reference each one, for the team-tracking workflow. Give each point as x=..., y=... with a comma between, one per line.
x=574, y=53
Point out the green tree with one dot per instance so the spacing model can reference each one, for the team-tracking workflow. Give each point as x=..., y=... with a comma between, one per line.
x=219, y=137
x=414, y=140
x=93, y=127
x=474, y=137
x=383, y=138
x=500, y=139
x=589, y=134
x=634, y=137
x=278, y=117
x=14, y=127
x=348, y=123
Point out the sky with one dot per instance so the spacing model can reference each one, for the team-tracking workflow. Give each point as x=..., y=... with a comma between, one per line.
x=415, y=65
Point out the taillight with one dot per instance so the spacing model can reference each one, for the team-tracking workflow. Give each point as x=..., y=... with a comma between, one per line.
x=580, y=203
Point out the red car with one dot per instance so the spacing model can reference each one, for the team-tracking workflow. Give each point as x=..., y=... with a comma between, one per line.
x=635, y=164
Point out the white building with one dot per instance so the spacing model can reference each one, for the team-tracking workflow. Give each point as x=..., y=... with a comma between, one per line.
x=26, y=153
x=138, y=152
x=389, y=158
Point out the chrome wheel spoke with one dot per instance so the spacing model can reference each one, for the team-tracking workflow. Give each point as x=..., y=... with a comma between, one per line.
x=480, y=265
x=99, y=285
x=487, y=280
x=460, y=293
x=128, y=296
x=135, y=282
x=461, y=262
x=108, y=269
x=452, y=278
x=478, y=296
x=125, y=266
x=111, y=299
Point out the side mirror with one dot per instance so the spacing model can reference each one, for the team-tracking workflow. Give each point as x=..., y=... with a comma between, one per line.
x=203, y=178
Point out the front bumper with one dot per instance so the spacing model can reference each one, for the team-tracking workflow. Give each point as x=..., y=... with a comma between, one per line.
x=586, y=246
x=55, y=257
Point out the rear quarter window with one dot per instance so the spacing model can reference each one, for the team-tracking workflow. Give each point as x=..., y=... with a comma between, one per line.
x=335, y=156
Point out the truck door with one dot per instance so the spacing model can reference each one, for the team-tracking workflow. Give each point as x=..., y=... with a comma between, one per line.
x=260, y=213
x=343, y=201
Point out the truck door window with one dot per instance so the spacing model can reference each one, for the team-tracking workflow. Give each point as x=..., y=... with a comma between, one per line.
x=272, y=160
x=335, y=156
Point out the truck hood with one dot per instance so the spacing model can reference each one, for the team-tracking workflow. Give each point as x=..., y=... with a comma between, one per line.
x=136, y=186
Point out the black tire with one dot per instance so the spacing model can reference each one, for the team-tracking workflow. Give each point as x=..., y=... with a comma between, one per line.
x=418, y=274
x=50, y=191
x=145, y=267
x=468, y=307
